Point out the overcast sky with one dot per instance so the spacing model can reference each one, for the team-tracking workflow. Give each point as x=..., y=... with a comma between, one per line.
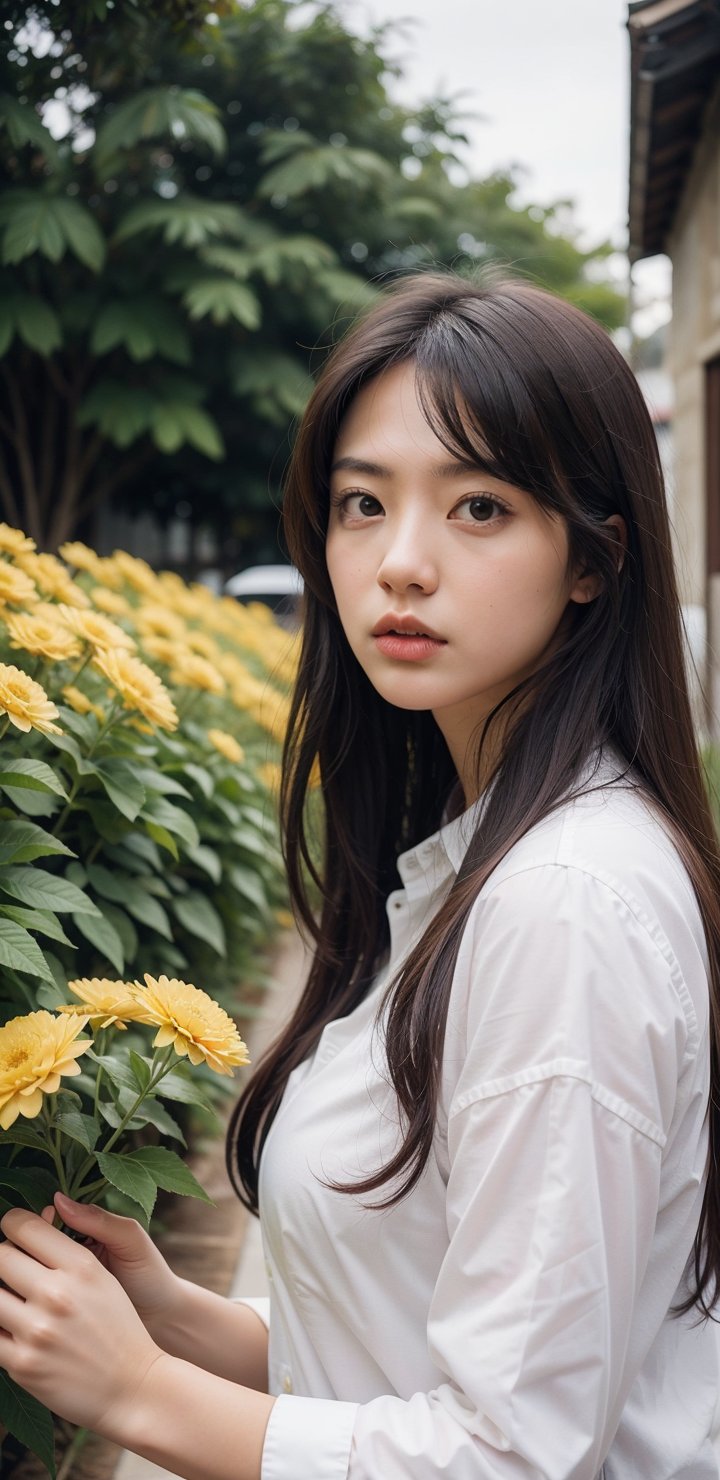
x=551, y=79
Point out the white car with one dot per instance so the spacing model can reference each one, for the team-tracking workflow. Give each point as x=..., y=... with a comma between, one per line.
x=278, y=586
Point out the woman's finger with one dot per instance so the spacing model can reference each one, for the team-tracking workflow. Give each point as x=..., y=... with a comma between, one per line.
x=17, y=1271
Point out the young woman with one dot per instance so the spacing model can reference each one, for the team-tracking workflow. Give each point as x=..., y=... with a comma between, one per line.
x=484, y=1150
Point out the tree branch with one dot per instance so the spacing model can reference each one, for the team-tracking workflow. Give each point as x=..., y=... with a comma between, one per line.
x=25, y=464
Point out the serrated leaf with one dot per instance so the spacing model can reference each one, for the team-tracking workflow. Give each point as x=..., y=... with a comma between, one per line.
x=169, y=1171
x=41, y=890
x=42, y=921
x=79, y=1127
x=181, y=1087
x=129, y=1178
x=178, y=822
x=22, y=1134
x=117, y=1072
x=22, y=842
x=35, y=775
x=122, y=786
x=20, y=951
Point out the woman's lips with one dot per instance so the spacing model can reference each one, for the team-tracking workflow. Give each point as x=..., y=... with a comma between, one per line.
x=408, y=647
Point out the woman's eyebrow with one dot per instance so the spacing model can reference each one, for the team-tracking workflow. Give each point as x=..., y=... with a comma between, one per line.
x=453, y=469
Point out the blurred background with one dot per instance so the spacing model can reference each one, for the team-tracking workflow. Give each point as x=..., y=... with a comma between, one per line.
x=195, y=202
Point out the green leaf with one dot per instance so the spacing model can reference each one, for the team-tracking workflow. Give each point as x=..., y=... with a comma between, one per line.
x=163, y=838
x=20, y=951
x=34, y=1185
x=79, y=1127
x=169, y=1171
x=223, y=299
x=202, y=778
x=21, y=842
x=206, y=859
x=142, y=1069
x=249, y=885
x=101, y=934
x=122, y=786
x=188, y=220
x=143, y=907
x=144, y=326
x=125, y=929
x=22, y=1134
x=42, y=921
x=129, y=1178
x=35, y=775
x=24, y=126
x=160, y=112
x=174, y=819
x=195, y=913
x=30, y=1421
x=41, y=890
x=177, y=422
x=36, y=221
x=118, y=1073
x=36, y=323
x=179, y=1085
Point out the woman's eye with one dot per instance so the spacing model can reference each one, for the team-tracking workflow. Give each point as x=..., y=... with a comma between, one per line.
x=364, y=504
x=481, y=507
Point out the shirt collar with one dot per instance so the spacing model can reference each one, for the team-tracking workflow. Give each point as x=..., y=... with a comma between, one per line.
x=424, y=865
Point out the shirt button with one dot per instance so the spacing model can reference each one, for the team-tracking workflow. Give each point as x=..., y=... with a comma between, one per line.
x=287, y=1383
x=397, y=904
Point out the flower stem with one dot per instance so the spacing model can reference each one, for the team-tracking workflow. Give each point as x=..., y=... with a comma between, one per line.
x=163, y=1064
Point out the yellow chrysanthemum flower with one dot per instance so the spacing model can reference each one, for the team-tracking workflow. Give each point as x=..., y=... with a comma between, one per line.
x=137, y=573
x=108, y=1004
x=53, y=579
x=192, y=671
x=16, y=586
x=14, y=541
x=204, y=644
x=35, y=1052
x=111, y=602
x=42, y=635
x=227, y=745
x=25, y=702
x=82, y=557
x=97, y=630
x=269, y=773
x=159, y=621
x=80, y=702
x=138, y=687
x=164, y=649
x=190, y=1020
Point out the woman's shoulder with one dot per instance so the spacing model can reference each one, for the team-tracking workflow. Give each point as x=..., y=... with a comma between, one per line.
x=604, y=863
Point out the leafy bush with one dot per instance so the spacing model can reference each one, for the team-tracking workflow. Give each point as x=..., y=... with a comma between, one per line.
x=140, y=725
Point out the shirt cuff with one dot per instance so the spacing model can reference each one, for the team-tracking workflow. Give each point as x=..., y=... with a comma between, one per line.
x=308, y=1437
x=259, y=1303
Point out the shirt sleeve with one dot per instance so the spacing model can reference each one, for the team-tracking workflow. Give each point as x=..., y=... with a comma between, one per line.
x=259, y=1303
x=572, y=1030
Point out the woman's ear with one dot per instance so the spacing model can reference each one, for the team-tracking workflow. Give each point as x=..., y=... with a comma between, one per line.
x=589, y=584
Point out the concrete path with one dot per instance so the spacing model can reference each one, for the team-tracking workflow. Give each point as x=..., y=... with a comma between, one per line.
x=250, y=1278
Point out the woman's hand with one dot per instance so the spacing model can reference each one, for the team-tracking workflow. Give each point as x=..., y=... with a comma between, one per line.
x=124, y=1248
x=69, y=1335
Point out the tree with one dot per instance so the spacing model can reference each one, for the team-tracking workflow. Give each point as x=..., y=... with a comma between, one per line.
x=174, y=253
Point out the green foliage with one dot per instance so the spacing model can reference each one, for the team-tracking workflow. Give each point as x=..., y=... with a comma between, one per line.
x=227, y=194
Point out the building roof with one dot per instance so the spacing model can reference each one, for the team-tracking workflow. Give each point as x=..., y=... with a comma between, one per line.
x=674, y=70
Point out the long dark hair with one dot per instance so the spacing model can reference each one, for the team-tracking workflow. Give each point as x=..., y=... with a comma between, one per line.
x=550, y=405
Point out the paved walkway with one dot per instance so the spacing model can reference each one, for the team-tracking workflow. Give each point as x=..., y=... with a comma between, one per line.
x=250, y=1277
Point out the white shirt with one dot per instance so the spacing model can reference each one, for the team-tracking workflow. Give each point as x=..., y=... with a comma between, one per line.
x=509, y=1319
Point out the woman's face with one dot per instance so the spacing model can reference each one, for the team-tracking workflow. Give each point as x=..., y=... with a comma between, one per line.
x=472, y=561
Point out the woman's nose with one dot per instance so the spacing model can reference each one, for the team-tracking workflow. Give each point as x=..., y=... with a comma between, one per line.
x=408, y=561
